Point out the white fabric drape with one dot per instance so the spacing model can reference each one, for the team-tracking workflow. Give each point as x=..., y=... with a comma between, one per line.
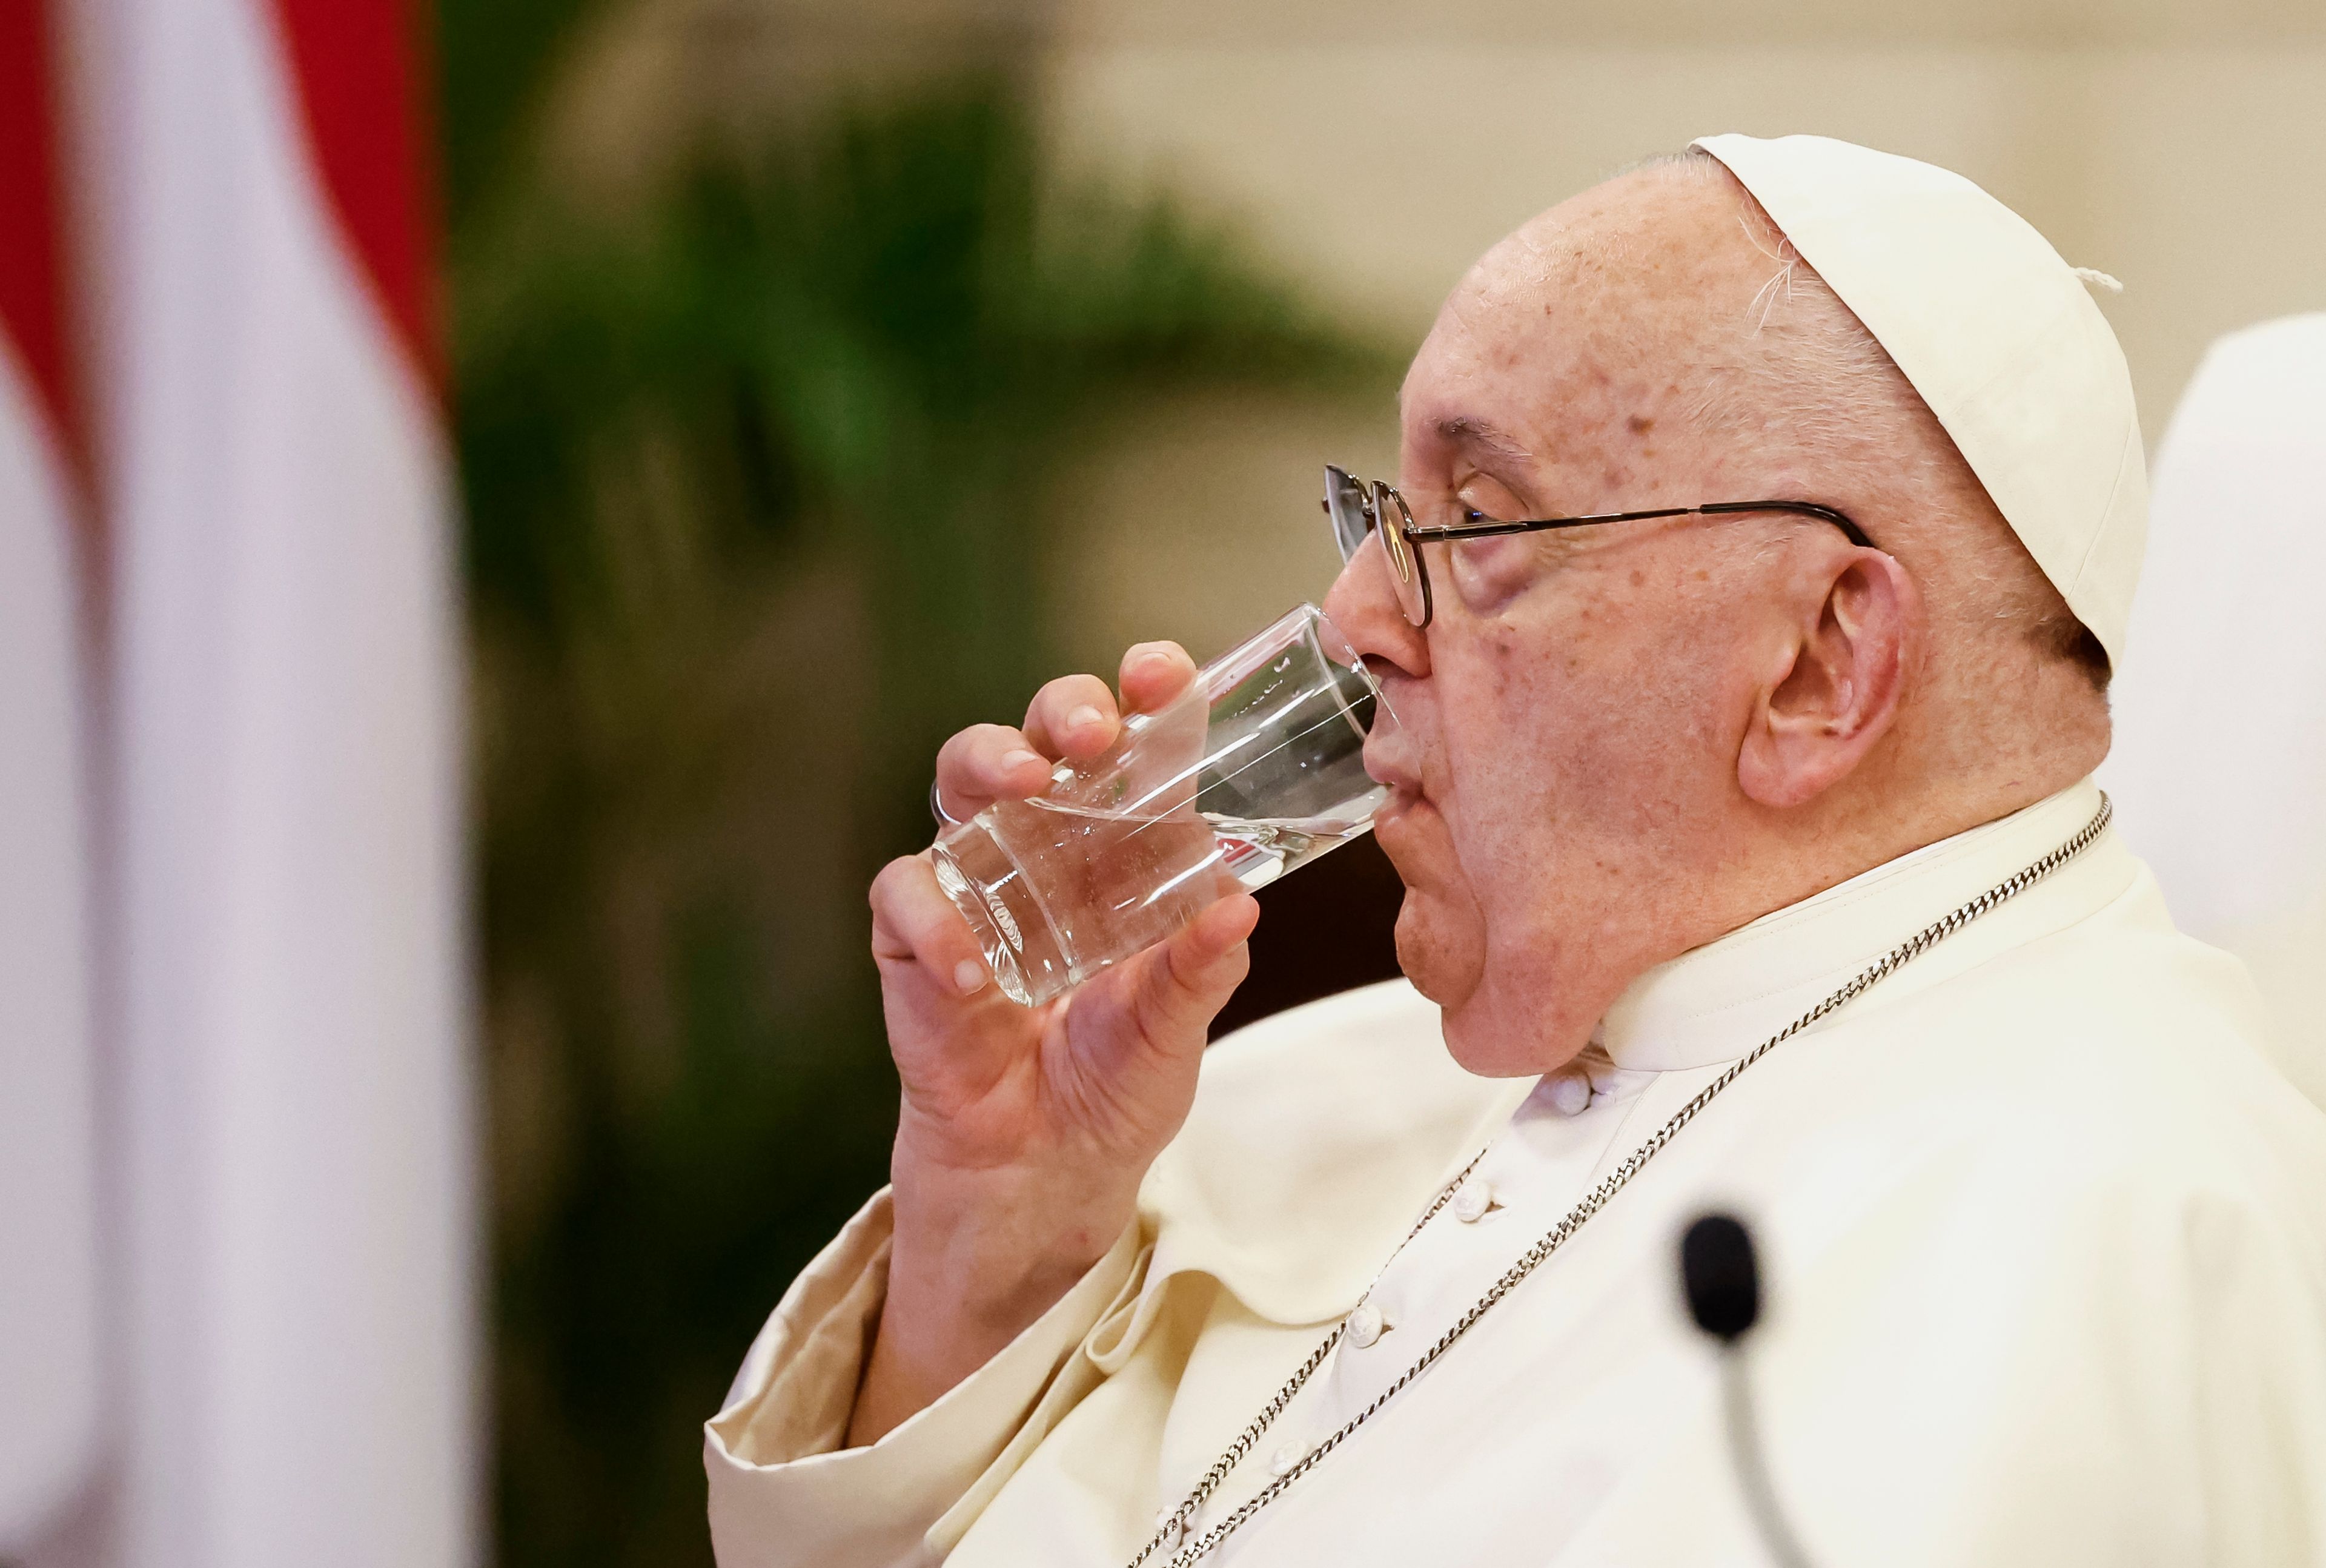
x=49, y=1307
x=2219, y=764
x=295, y=1125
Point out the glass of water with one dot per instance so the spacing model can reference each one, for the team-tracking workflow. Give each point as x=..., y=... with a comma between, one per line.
x=1257, y=767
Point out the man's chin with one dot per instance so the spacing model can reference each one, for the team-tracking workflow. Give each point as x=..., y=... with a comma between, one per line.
x=1486, y=1041
x=1488, y=1030
x=1439, y=968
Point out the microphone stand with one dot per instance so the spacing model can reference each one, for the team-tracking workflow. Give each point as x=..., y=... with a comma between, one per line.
x=1752, y=1469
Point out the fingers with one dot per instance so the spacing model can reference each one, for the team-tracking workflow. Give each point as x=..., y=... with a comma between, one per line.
x=1077, y=715
x=1153, y=673
x=1073, y=716
x=986, y=763
x=914, y=922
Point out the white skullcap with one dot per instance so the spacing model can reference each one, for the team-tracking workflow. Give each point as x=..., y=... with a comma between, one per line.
x=1998, y=335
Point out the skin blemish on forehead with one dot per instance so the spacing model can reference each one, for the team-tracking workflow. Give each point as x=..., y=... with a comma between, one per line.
x=1641, y=423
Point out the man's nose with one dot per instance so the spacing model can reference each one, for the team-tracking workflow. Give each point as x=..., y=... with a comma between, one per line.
x=1363, y=604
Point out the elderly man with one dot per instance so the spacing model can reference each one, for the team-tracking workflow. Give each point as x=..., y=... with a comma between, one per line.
x=1751, y=862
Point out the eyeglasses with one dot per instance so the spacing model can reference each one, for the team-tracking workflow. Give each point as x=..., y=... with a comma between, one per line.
x=1358, y=509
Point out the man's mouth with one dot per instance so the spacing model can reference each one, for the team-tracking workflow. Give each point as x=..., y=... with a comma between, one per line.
x=1403, y=803
x=1386, y=765
x=1390, y=761
x=1399, y=828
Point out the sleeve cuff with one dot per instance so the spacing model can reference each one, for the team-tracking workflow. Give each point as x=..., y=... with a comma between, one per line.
x=783, y=1490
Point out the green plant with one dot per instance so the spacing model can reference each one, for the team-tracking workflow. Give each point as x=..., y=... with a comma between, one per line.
x=751, y=481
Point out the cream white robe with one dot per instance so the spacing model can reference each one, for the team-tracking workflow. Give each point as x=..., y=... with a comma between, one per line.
x=2043, y=1240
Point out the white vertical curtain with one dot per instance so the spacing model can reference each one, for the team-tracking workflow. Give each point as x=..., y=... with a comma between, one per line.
x=2219, y=761
x=295, y=1387
x=51, y=1304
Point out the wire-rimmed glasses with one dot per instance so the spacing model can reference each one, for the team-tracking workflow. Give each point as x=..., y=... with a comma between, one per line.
x=1358, y=509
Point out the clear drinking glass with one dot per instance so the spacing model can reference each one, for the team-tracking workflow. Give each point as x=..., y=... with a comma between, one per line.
x=1256, y=768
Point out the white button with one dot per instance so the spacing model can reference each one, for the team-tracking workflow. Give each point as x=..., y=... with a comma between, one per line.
x=1472, y=1200
x=1364, y=1325
x=1570, y=1091
x=1281, y=1461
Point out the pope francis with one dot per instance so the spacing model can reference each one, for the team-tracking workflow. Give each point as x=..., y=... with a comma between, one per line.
x=1768, y=523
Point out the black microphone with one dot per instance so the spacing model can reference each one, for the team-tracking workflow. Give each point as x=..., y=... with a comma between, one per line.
x=1722, y=1283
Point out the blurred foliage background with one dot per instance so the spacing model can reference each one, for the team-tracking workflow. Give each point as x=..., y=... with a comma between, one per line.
x=758, y=460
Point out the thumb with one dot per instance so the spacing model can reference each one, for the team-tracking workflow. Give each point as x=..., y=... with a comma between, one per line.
x=1167, y=998
x=1198, y=969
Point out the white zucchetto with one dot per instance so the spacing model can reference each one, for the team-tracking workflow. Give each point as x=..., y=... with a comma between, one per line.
x=1998, y=335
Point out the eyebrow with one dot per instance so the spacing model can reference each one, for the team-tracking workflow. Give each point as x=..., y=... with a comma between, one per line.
x=1469, y=431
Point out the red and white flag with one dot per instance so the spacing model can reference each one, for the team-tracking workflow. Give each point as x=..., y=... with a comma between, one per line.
x=287, y=1328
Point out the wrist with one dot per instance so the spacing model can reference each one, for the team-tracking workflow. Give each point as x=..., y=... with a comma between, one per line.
x=968, y=1271
x=958, y=1295
x=1000, y=1246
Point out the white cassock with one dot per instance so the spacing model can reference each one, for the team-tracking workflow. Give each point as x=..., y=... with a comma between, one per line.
x=2044, y=1238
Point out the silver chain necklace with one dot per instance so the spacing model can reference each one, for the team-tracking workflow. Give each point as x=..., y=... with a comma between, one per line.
x=1171, y=1530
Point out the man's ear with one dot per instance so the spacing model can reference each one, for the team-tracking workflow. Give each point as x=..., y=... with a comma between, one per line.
x=1836, y=676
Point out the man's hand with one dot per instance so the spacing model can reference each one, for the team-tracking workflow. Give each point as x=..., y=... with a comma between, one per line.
x=1024, y=1132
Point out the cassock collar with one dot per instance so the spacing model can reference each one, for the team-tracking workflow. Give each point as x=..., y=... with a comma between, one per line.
x=1716, y=1002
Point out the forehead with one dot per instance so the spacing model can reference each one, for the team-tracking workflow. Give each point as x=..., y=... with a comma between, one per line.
x=1623, y=293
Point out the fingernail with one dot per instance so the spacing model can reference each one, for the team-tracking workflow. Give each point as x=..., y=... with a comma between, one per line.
x=1020, y=759
x=969, y=976
x=1083, y=717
